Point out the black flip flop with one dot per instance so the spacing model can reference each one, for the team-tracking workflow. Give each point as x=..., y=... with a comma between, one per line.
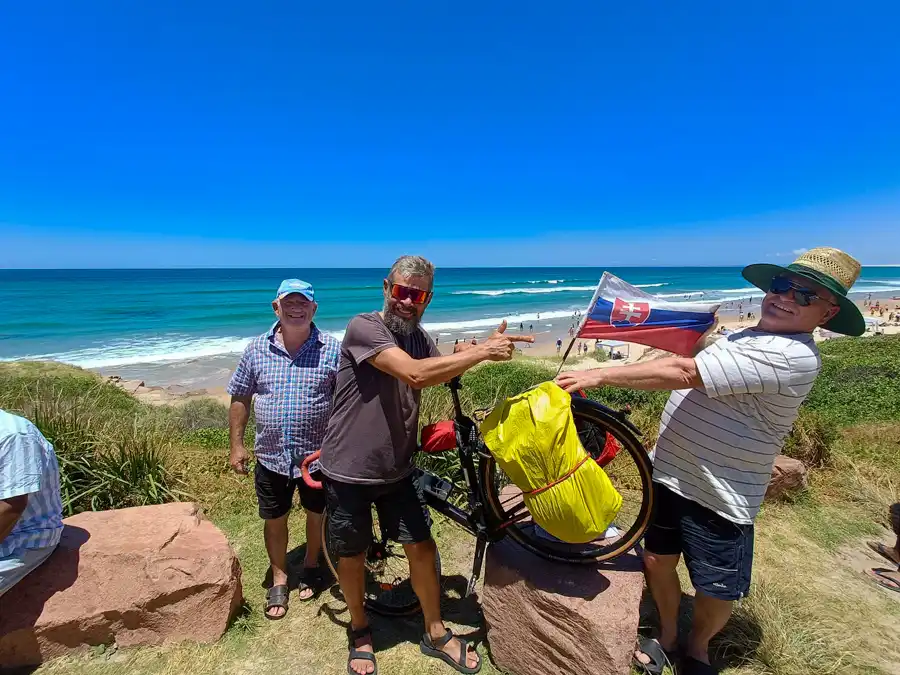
x=277, y=596
x=691, y=666
x=659, y=657
x=880, y=576
x=313, y=579
x=352, y=637
x=432, y=647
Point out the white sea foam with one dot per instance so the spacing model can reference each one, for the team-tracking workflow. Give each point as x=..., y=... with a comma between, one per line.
x=664, y=283
x=182, y=348
x=874, y=289
x=546, y=281
x=149, y=350
x=494, y=321
x=745, y=290
x=507, y=291
x=690, y=294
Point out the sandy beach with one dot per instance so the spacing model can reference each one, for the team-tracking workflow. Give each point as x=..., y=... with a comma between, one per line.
x=207, y=376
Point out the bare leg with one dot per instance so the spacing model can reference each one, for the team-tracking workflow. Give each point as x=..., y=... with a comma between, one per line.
x=313, y=539
x=710, y=617
x=352, y=578
x=313, y=548
x=665, y=587
x=423, y=574
x=275, y=534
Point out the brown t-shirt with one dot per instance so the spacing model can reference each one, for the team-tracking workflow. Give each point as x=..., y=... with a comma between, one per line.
x=374, y=425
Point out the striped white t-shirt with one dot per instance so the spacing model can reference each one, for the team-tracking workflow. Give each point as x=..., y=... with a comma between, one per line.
x=717, y=443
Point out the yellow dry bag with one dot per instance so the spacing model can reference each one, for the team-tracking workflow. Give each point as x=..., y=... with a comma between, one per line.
x=533, y=438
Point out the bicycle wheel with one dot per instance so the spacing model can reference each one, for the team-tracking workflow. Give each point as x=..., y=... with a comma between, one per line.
x=629, y=470
x=388, y=589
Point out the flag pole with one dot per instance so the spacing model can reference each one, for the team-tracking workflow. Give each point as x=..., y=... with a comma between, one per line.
x=565, y=356
x=584, y=319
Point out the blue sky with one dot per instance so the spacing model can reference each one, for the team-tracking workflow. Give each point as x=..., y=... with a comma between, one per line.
x=345, y=133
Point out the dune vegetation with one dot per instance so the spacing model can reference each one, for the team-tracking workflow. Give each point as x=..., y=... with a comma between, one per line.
x=811, y=608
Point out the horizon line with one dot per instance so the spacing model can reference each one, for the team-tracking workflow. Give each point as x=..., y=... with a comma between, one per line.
x=371, y=267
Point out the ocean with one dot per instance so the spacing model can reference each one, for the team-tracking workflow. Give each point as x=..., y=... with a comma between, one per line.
x=108, y=318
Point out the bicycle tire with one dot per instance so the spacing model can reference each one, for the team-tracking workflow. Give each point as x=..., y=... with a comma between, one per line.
x=583, y=410
x=373, y=604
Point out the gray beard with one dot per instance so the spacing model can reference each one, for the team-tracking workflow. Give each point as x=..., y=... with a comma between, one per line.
x=397, y=324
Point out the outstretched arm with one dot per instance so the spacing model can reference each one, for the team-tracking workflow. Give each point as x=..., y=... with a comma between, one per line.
x=421, y=373
x=661, y=374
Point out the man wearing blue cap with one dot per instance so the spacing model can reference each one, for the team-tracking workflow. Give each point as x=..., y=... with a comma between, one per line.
x=291, y=370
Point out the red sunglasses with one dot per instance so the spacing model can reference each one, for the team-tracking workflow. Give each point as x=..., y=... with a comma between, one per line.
x=416, y=295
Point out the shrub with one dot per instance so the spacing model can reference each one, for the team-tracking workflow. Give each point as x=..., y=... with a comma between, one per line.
x=811, y=439
x=208, y=438
x=106, y=460
x=23, y=383
x=860, y=380
x=201, y=413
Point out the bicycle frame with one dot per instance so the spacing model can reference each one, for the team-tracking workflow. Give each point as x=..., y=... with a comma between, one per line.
x=479, y=520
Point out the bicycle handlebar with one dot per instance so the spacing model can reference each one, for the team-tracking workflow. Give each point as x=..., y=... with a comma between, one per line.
x=304, y=470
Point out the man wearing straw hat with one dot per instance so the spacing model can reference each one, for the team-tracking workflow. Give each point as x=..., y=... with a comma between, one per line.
x=731, y=408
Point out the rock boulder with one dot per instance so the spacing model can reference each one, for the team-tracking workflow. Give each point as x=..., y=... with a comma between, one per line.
x=546, y=617
x=140, y=576
x=788, y=477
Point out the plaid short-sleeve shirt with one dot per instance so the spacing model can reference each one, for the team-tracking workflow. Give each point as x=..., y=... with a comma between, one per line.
x=293, y=396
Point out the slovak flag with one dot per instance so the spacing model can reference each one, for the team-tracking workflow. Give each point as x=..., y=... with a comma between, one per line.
x=620, y=311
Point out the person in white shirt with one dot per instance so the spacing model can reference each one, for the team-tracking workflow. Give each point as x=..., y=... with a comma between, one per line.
x=731, y=408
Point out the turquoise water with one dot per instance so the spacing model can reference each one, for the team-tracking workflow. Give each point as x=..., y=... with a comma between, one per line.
x=102, y=318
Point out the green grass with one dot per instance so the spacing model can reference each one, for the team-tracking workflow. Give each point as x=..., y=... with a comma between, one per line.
x=807, y=611
x=860, y=380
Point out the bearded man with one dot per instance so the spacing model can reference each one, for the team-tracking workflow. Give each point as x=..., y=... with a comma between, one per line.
x=387, y=358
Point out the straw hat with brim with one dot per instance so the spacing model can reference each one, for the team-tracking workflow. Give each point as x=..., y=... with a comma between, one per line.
x=831, y=268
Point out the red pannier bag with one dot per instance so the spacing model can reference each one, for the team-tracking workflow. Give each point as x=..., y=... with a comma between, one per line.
x=439, y=437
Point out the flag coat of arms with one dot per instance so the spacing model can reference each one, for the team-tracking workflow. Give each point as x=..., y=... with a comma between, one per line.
x=620, y=311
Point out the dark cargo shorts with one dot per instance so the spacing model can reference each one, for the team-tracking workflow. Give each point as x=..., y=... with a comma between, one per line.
x=717, y=552
x=275, y=493
x=402, y=514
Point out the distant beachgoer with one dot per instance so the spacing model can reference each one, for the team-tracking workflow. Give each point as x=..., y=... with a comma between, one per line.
x=531, y=328
x=521, y=326
x=473, y=342
x=709, y=488
x=291, y=371
x=437, y=340
x=456, y=342
x=558, y=345
x=30, y=502
x=539, y=316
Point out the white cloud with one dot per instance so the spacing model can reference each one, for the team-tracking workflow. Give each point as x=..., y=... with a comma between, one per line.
x=800, y=251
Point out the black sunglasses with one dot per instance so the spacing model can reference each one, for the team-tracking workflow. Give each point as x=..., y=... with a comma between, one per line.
x=803, y=296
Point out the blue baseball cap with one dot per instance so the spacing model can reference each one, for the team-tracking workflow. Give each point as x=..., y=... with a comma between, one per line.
x=289, y=286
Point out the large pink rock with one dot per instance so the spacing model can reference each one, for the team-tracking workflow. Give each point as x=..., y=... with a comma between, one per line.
x=548, y=617
x=140, y=576
x=788, y=477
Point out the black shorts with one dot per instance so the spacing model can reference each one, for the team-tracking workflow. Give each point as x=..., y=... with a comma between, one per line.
x=402, y=514
x=717, y=552
x=275, y=493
